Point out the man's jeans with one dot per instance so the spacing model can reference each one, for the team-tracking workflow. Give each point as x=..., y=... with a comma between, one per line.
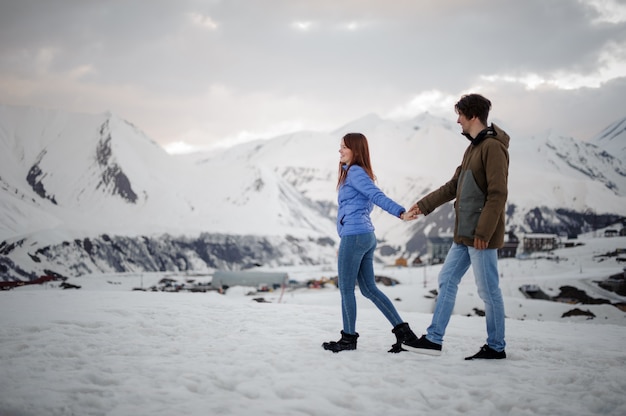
x=356, y=263
x=485, y=266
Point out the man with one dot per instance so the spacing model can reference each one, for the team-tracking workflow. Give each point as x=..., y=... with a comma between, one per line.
x=479, y=186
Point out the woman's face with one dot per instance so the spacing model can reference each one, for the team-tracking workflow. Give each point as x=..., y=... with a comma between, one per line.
x=345, y=154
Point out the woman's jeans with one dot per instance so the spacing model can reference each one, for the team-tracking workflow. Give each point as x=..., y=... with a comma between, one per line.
x=356, y=264
x=485, y=266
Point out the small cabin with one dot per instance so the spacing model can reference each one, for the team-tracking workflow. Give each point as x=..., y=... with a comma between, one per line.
x=401, y=262
x=225, y=279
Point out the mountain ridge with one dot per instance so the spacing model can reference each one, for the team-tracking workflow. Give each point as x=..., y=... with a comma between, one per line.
x=71, y=177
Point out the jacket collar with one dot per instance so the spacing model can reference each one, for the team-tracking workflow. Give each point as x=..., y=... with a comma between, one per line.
x=489, y=131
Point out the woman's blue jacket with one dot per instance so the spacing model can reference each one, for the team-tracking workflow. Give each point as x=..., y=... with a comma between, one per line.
x=356, y=199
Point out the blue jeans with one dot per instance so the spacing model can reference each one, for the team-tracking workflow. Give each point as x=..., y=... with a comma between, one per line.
x=485, y=266
x=356, y=263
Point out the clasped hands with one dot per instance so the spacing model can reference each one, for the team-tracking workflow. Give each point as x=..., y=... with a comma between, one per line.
x=411, y=214
x=415, y=211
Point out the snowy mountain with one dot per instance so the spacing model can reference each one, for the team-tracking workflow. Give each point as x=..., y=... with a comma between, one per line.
x=557, y=184
x=613, y=139
x=84, y=193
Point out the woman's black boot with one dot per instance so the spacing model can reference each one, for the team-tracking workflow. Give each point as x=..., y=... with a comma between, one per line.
x=404, y=334
x=347, y=342
x=397, y=347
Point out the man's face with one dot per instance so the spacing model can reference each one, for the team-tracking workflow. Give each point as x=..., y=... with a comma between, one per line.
x=464, y=122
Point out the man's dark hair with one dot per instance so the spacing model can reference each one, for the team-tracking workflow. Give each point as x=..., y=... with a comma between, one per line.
x=474, y=105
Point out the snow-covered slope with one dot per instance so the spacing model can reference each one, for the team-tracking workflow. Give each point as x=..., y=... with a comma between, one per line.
x=100, y=173
x=108, y=350
x=559, y=171
x=67, y=177
x=613, y=139
x=548, y=173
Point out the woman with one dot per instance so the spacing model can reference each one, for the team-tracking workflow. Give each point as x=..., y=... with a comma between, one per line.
x=357, y=195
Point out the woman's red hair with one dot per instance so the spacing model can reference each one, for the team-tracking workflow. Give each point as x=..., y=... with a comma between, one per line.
x=356, y=142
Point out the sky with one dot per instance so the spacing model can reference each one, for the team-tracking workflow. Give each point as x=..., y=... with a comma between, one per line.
x=106, y=350
x=199, y=74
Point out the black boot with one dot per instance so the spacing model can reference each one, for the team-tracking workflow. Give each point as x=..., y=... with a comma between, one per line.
x=347, y=342
x=397, y=347
x=404, y=335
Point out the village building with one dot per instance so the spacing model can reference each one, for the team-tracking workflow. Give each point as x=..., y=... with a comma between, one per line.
x=401, y=262
x=437, y=248
x=509, y=250
x=257, y=279
x=539, y=242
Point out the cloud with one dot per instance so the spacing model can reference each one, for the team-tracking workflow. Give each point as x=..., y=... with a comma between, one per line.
x=433, y=101
x=180, y=148
x=215, y=72
x=608, y=11
x=203, y=21
x=611, y=64
x=81, y=71
x=302, y=25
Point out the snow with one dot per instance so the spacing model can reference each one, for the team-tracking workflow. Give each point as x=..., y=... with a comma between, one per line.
x=108, y=350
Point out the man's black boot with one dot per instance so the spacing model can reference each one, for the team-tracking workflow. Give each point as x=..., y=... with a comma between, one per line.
x=410, y=341
x=487, y=353
x=347, y=342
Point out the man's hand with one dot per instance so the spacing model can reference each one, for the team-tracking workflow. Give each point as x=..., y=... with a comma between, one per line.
x=480, y=244
x=415, y=210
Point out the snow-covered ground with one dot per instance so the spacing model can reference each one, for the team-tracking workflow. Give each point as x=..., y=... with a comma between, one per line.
x=108, y=350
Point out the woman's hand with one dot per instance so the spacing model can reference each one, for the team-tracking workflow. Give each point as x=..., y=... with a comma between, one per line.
x=408, y=216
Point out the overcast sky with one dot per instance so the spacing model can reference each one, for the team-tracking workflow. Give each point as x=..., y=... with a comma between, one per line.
x=194, y=73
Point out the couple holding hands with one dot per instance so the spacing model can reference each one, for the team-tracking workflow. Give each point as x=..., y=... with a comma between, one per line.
x=479, y=188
